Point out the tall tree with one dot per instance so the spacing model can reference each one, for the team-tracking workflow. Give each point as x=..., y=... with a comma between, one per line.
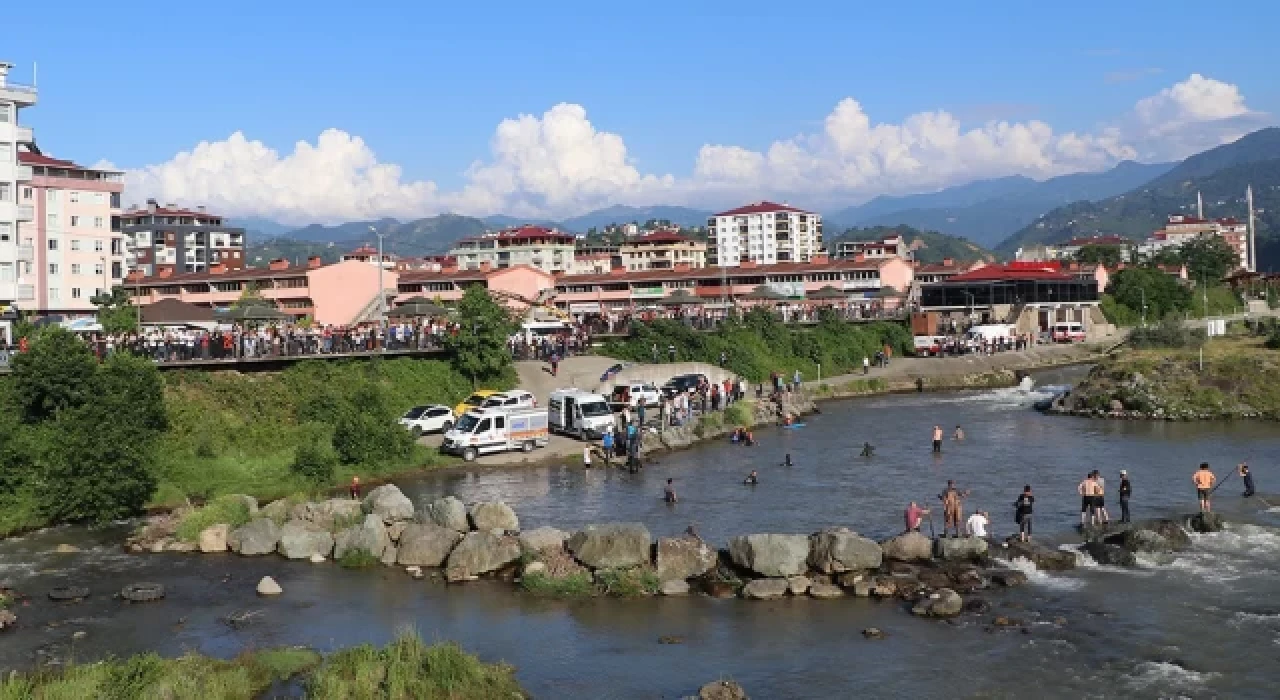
x=56, y=373
x=1208, y=258
x=116, y=312
x=480, y=344
x=1106, y=255
x=1134, y=286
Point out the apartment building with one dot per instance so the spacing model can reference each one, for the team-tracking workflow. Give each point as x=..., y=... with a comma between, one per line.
x=179, y=240
x=1179, y=229
x=537, y=246
x=764, y=233
x=887, y=247
x=14, y=97
x=77, y=249
x=662, y=250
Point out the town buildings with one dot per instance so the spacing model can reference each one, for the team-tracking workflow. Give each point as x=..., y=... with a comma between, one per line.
x=887, y=247
x=369, y=254
x=928, y=273
x=662, y=250
x=537, y=246
x=763, y=233
x=1030, y=295
x=1179, y=229
x=14, y=255
x=169, y=238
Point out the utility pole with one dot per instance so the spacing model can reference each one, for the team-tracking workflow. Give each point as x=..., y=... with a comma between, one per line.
x=382, y=292
x=1144, y=305
x=1253, y=244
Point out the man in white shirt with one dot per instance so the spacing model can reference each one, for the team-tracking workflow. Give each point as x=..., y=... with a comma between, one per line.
x=977, y=524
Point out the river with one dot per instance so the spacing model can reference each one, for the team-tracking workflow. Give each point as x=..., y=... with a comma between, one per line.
x=1206, y=624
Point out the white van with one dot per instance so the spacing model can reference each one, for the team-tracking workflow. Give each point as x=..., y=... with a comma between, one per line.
x=487, y=430
x=532, y=331
x=579, y=413
x=1068, y=332
x=991, y=332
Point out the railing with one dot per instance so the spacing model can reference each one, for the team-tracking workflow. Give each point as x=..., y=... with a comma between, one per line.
x=25, y=253
x=18, y=87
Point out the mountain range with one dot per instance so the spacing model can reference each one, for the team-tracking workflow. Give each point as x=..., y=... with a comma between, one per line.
x=928, y=246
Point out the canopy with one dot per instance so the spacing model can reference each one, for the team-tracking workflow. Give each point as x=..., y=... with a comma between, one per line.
x=417, y=307
x=170, y=312
x=828, y=293
x=679, y=297
x=764, y=293
x=255, y=312
x=83, y=325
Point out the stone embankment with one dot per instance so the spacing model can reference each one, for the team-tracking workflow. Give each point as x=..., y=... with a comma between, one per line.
x=1169, y=391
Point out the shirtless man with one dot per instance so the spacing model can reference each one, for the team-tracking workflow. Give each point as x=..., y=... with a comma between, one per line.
x=1203, y=479
x=952, y=508
x=1085, y=489
x=937, y=439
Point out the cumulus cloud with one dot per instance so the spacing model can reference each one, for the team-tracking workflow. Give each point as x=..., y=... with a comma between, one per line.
x=559, y=163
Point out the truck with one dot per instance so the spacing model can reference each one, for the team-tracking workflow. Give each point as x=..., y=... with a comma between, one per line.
x=483, y=431
x=579, y=413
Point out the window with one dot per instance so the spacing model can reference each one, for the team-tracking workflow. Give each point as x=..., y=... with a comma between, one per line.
x=4, y=114
x=75, y=268
x=6, y=232
x=99, y=222
x=74, y=196
x=54, y=294
x=51, y=196
x=75, y=244
x=98, y=269
x=6, y=151
x=5, y=193
x=53, y=268
x=53, y=244
x=75, y=221
x=75, y=292
x=97, y=246
x=115, y=200
x=6, y=269
x=26, y=194
x=51, y=220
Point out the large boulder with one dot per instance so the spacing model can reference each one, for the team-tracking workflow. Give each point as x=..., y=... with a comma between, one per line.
x=250, y=503
x=1045, y=558
x=543, y=539
x=214, y=538
x=388, y=502
x=825, y=591
x=771, y=555
x=1145, y=541
x=1109, y=554
x=1205, y=522
x=909, y=546
x=722, y=690
x=255, y=537
x=426, y=545
x=277, y=510
x=611, y=545
x=328, y=513
x=494, y=516
x=300, y=539
x=684, y=557
x=446, y=512
x=479, y=553
x=838, y=550
x=942, y=603
x=959, y=548
x=765, y=588
x=369, y=536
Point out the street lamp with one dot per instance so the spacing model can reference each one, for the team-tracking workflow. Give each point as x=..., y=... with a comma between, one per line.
x=1143, y=290
x=382, y=292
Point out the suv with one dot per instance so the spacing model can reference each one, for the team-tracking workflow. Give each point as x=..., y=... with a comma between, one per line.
x=427, y=419
x=635, y=393
x=516, y=398
x=683, y=383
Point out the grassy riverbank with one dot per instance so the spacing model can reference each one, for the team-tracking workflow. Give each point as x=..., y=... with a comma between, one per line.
x=406, y=668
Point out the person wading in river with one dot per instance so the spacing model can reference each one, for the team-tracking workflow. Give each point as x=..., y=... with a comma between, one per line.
x=752, y=479
x=1085, y=489
x=937, y=439
x=355, y=488
x=952, y=508
x=1022, y=510
x=1100, y=497
x=958, y=434
x=1247, y=476
x=1203, y=478
x=913, y=515
x=669, y=493
x=1126, y=491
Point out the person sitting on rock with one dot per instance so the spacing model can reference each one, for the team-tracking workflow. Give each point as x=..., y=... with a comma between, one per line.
x=976, y=525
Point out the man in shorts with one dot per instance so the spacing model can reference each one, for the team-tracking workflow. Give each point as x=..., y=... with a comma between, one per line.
x=1203, y=478
x=1085, y=489
x=952, y=508
x=1022, y=513
x=937, y=439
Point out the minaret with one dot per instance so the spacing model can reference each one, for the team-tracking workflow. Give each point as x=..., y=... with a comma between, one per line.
x=1199, y=205
x=1253, y=244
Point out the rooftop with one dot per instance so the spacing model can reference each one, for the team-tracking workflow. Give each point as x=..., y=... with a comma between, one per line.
x=660, y=237
x=526, y=231
x=732, y=272
x=27, y=157
x=1014, y=271
x=761, y=208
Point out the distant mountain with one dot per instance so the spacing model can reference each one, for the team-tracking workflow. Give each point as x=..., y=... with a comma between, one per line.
x=259, y=228
x=929, y=246
x=501, y=221
x=430, y=236
x=600, y=218
x=988, y=211
x=1219, y=174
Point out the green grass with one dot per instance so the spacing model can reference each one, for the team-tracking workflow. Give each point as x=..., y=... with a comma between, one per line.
x=358, y=559
x=628, y=583
x=409, y=669
x=224, y=509
x=864, y=386
x=150, y=677
x=740, y=413
x=571, y=586
x=6, y=601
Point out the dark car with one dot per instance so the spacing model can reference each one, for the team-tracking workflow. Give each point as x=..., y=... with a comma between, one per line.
x=682, y=383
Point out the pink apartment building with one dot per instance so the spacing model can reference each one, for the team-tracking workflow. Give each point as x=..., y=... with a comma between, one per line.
x=518, y=286
x=76, y=249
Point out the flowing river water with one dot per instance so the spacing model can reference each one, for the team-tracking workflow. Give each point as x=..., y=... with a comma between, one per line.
x=1204, y=624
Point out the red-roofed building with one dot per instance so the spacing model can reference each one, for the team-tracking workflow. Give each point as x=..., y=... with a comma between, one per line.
x=928, y=273
x=544, y=248
x=180, y=240
x=662, y=250
x=369, y=254
x=1180, y=229
x=763, y=233
x=1031, y=295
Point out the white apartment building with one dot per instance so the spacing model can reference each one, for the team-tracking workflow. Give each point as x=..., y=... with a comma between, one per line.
x=764, y=233
x=547, y=249
x=894, y=246
x=13, y=98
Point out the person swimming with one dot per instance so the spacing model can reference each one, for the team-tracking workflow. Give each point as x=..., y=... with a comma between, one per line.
x=752, y=479
x=868, y=450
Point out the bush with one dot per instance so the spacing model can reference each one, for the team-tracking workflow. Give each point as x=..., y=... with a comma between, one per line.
x=628, y=583
x=1273, y=340
x=314, y=461
x=739, y=413
x=366, y=431
x=224, y=509
x=1169, y=334
x=358, y=559
x=571, y=586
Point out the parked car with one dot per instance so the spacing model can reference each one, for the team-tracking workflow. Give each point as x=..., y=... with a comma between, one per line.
x=683, y=383
x=487, y=430
x=428, y=419
x=1069, y=332
x=928, y=345
x=516, y=398
x=476, y=398
x=635, y=393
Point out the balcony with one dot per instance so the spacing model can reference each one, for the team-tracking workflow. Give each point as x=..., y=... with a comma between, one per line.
x=22, y=134
x=26, y=213
x=23, y=173
x=25, y=253
x=26, y=292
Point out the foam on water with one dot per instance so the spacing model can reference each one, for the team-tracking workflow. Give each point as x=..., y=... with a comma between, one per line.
x=1040, y=578
x=1164, y=676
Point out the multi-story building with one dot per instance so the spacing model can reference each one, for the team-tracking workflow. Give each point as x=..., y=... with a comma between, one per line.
x=179, y=240
x=544, y=248
x=369, y=254
x=1180, y=229
x=894, y=246
x=77, y=250
x=662, y=250
x=13, y=98
x=763, y=233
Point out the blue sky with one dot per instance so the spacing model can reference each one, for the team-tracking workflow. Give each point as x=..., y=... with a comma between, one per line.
x=425, y=85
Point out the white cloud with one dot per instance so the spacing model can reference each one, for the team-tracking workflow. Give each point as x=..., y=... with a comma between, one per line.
x=560, y=164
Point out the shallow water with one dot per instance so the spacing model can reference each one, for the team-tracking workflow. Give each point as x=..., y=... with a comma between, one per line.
x=1206, y=624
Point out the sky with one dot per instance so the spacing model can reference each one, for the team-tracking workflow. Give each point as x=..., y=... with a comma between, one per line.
x=324, y=112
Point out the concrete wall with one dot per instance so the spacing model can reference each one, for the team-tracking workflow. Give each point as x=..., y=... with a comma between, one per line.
x=340, y=292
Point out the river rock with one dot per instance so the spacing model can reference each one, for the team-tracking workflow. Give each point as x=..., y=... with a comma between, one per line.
x=7, y=619
x=909, y=546
x=66, y=549
x=479, y=553
x=268, y=586
x=255, y=537
x=277, y=510
x=1109, y=554
x=864, y=588
x=684, y=557
x=837, y=550
x=765, y=588
x=825, y=591
x=722, y=690
x=873, y=633
x=1145, y=541
x=300, y=539
x=960, y=548
x=214, y=538
x=543, y=539
x=388, y=502
x=328, y=513
x=943, y=603
x=771, y=555
x=446, y=512
x=1045, y=558
x=494, y=516
x=798, y=585
x=675, y=587
x=389, y=554
x=611, y=545
x=534, y=567
x=394, y=530
x=1008, y=577
x=1205, y=522
x=369, y=536
x=1171, y=530
x=317, y=559
x=426, y=545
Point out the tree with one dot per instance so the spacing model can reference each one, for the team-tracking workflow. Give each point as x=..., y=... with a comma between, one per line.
x=55, y=374
x=116, y=312
x=480, y=344
x=98, y=468
x=1162, y=293
x=1208, y=258
x=1105, y=255
x=250, y=296
x=366, y=431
